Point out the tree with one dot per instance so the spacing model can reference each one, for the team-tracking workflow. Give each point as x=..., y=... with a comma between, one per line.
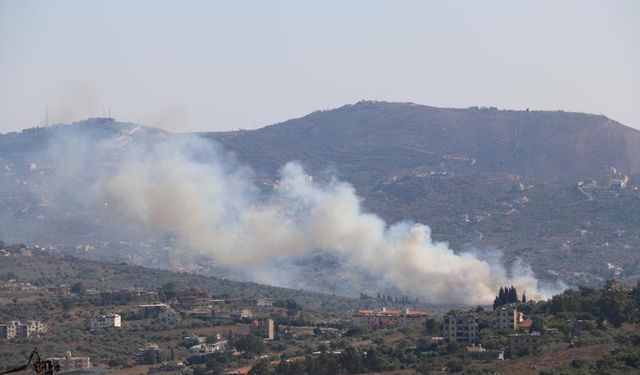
x=432, y=326
x=168, y=291
x=524, y=297
x=251, y=344
x=352, y=360
x=260, y=368
x=77, y=288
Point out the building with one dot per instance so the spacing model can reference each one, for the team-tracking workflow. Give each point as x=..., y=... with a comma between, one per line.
x=191, y=299
x=106, y=321
x=69, y=363
x=151, y=354
x=169, y=316
x=480, y=354
x=205, y=349
x=388, y=318
x=262, y=303
x=506, y=318
x=460, y=327
x=160, y=311
x=265, y=327
x=524, y=342
x=9, y=329
x=16, y=329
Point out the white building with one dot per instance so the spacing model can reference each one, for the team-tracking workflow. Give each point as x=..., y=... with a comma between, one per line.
x=204, y=349
x=106, y=321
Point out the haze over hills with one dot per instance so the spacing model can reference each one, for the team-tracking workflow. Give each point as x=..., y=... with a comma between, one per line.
x=556, y=189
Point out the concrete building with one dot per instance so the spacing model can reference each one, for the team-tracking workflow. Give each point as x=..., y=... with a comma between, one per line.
x=388, y=318
x=191, y=299
x=160, y=311
x=506, y=318
x=204, y=349
x=460, y=327
x=70, y=363
x=530, y=342
x=169, y=316
x=16, y=329
x=151, y=354
x=106, y=321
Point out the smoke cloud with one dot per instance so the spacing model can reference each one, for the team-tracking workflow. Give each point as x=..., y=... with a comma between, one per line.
x=187, y=187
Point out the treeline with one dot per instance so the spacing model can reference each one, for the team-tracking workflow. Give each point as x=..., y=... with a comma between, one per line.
x=351, y=361
x=508, y=295
x=612, y=303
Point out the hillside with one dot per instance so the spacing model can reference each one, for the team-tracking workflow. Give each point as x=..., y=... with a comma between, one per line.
x=556, y=189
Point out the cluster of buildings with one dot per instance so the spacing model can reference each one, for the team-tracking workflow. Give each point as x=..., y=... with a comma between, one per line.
x=388, y=318
x=463, y=327
x=16, y=329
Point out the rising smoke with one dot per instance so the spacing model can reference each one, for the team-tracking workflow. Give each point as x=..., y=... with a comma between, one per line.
x=185, y=186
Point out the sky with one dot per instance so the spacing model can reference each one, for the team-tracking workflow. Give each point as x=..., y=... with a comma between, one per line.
x=223, y=65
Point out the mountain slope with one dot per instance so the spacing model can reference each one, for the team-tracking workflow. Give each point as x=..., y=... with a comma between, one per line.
x=556, y=189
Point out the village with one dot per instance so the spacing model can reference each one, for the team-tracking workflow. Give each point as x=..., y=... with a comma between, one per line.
x=247, y=331
x=181, y=326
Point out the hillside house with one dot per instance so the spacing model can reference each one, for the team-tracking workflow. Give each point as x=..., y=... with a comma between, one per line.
x=106, y=321
x=388, y=318
x=191, y=299
x=460, y=327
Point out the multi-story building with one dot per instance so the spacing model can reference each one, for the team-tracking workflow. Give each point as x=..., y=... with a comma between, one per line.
x=9, y=329
x=69, y=363
x=388, y=318
x=506, y=318
x=460, y=327
x=529, y=342
x=106, y=321
x=191, y=299
x=16, y=329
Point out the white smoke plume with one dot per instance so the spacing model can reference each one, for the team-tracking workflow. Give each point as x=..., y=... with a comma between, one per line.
x=180, y=186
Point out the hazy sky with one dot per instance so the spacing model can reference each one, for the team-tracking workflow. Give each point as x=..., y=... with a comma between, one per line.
x=215, y=65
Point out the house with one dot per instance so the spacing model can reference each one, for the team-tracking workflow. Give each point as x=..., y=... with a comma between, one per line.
x=460, y=327
x=506, y=318
x=151, y=354
x=204, y=349
x=524, y=342
x=151, y=311
x=388, y=318
x=106, y=321
x=191, y=299
x=160, y=311
x=169, y=316
x=69, y=363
